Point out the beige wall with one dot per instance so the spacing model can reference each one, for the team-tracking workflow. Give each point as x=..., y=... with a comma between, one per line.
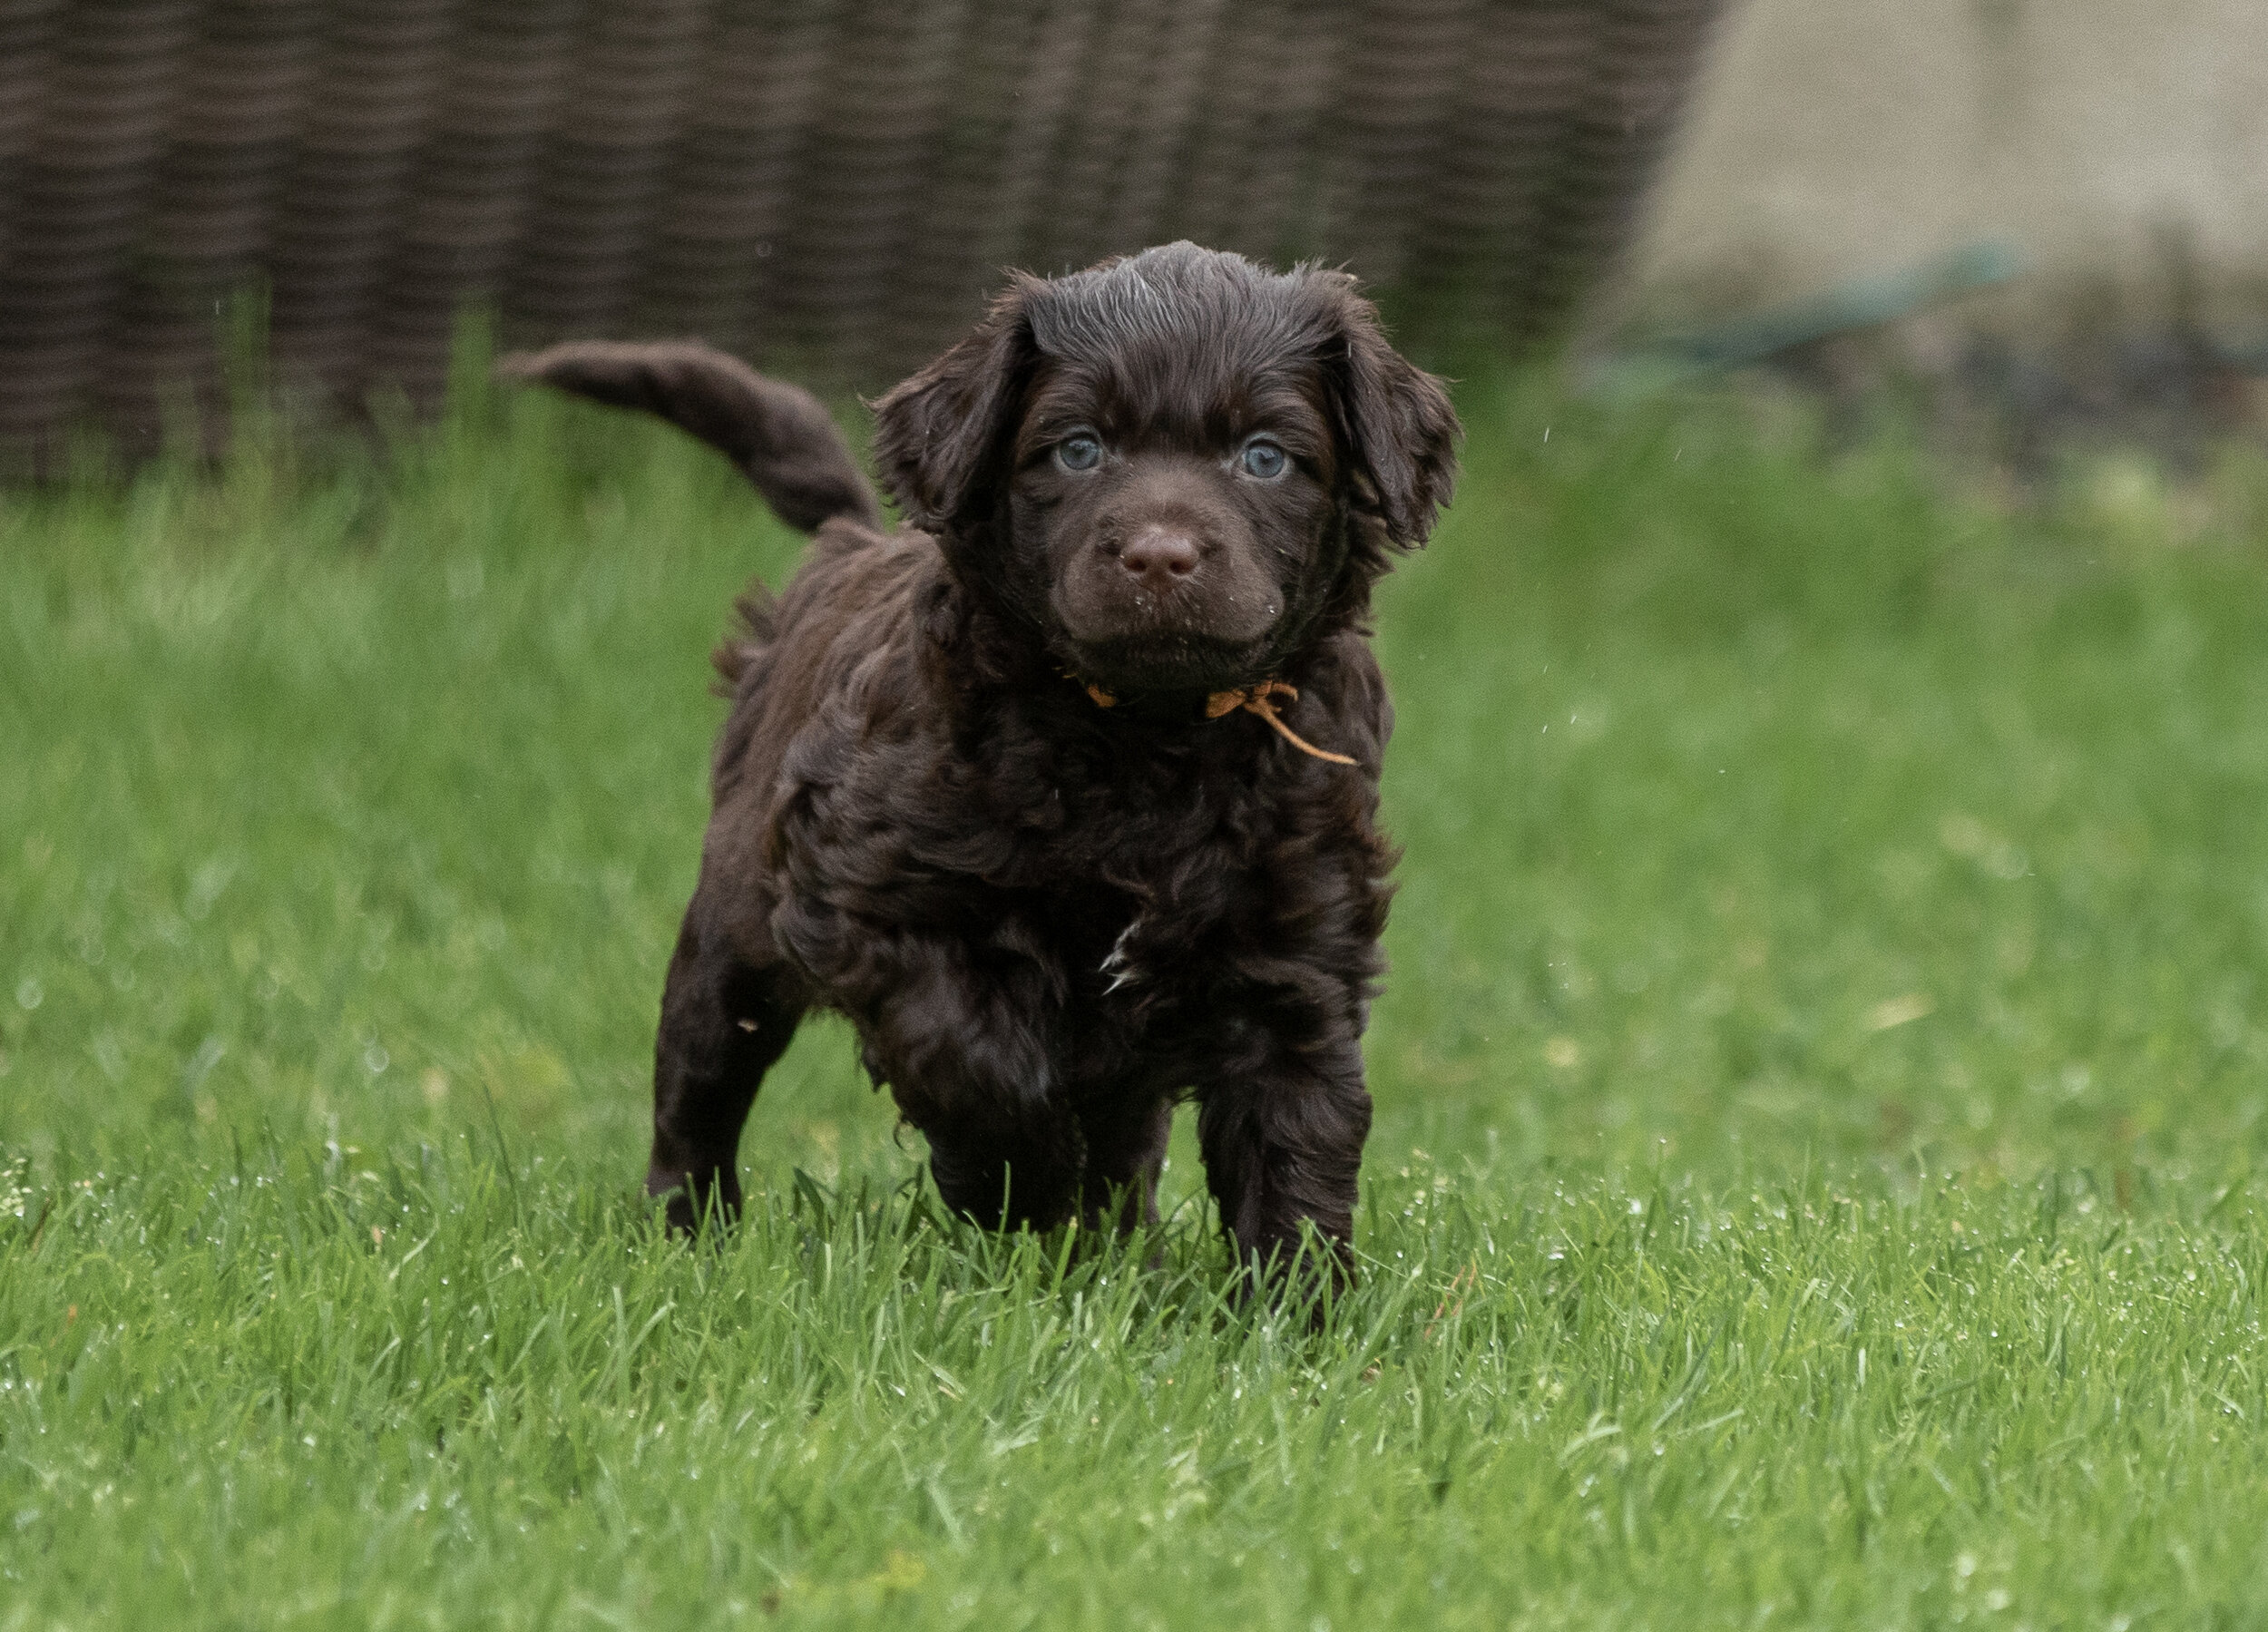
x=1830, y=139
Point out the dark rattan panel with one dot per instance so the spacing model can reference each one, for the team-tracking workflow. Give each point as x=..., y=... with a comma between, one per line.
x=831, y=185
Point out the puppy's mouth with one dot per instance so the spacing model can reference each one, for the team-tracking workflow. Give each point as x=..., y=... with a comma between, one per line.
x=1211, y=629
x=1166, y=662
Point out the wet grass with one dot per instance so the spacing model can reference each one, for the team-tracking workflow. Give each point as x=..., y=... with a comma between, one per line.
x=1819, y=1089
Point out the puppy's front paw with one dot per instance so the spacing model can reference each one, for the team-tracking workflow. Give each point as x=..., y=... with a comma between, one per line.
x=697, y=1200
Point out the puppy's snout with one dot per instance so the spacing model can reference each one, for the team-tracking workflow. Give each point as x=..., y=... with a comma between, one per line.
x=1159, y=557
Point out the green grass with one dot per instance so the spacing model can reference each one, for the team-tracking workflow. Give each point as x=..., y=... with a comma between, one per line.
x=1819, y=1089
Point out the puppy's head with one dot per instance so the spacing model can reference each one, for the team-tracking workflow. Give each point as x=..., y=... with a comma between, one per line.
x=1177, y=468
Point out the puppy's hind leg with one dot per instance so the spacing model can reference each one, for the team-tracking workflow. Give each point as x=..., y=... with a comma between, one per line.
x=724, y=1024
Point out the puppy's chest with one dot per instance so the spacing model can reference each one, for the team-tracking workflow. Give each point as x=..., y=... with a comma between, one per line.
x=1139, y=934
x=1129, y=880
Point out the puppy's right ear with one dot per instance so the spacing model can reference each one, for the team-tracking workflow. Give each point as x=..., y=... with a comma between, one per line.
x=939, y=436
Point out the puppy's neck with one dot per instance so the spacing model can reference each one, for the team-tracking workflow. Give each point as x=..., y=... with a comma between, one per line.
x=1261, y=699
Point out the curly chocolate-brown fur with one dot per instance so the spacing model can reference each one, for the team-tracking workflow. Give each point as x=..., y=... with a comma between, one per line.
x=1052, y=920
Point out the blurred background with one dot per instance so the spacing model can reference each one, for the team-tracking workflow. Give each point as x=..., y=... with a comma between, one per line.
x=2045, y=223
x=2037, y=221
x=831, y=186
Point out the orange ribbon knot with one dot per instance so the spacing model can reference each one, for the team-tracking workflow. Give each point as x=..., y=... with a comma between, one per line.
x=1255, y=701
x=1252, y=699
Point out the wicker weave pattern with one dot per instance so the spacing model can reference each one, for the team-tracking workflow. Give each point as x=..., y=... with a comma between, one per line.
x=830, y=185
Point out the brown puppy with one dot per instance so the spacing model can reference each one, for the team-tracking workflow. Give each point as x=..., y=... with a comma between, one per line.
x=1064, y=791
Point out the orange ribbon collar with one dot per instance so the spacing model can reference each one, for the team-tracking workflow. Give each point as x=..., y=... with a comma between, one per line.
x=1252, y=699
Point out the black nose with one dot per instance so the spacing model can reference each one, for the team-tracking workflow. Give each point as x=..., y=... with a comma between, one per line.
x=1160, y=558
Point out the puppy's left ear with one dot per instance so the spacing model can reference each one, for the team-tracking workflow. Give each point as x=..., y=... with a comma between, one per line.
x=938, y=435
x=1399, y=426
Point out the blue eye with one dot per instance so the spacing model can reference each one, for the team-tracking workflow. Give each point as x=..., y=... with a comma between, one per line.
x=1265, y=460
x=1079, y=452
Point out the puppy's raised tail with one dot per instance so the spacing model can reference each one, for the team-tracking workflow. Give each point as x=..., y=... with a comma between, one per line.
x=781, y=438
